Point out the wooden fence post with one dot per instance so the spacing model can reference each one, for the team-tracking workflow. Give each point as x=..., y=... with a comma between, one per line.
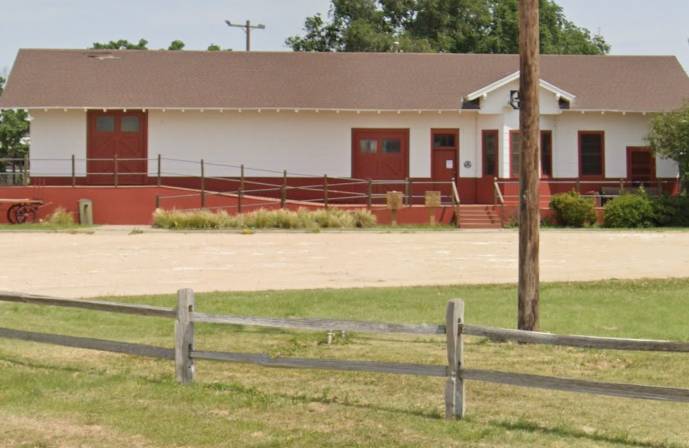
x=203, y=184
x=26, y=169
x=184, y=336
x=240, y=193
x=454, y=388
x=369, y=194
x=115, y=171
x=160, y=166
x=407, y=188
x=74, y=169
x=283, y=190
x=325, y=190
x=157, y=202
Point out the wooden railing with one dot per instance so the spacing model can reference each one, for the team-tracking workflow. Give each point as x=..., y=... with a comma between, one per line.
x=455, y=329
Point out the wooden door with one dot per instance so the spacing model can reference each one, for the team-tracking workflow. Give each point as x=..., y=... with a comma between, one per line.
x=117, y=134
x=380, y=154
x=641, y=167
x=490, y=157
x=444, y=154
x=444, y=160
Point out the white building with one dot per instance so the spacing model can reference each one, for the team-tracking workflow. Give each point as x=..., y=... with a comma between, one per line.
x=378, y=116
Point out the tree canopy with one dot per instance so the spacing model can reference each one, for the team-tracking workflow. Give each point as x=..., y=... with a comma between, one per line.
x=669, y=137
x=176, y=45
x=124, y=44
x=121, y=44
x=14, y=127
x=455, y=26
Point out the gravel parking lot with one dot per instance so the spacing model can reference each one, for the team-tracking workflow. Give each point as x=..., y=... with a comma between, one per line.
x=115, y=261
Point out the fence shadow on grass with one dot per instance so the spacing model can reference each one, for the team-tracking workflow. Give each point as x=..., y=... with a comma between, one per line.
x=322, y=399
x=595, y=436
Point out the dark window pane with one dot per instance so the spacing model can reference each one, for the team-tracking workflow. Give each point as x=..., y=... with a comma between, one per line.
x=130, y=124
x=367, y=146
x=105, y=123
x=591, y=154
x=444, y=141
x=490, y=154
x=515, y=153
x=546, y=154
x=392, y=146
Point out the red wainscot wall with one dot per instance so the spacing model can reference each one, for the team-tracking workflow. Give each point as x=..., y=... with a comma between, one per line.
x=123, y=205
x=134, y=205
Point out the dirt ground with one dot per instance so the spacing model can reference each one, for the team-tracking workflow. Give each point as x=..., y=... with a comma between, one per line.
x=115, y=261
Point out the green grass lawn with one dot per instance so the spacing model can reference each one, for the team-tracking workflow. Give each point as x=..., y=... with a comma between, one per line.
x=61, y=397
x=44, y=227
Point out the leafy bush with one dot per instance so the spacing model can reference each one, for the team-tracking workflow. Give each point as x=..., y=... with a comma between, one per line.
x=573, y=210
x=671, y=211
x=60, y=217
x=630, y=210
x=264, y=219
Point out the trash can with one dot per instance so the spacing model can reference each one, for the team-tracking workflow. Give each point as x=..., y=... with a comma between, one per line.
x=85, y=212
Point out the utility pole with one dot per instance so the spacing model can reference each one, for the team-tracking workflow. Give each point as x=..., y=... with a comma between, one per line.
x=248, y=27
x=529, y=114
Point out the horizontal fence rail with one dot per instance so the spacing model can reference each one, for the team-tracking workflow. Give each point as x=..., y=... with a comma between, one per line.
x=89, y=343
x=455, y=329
x=533, y=337
x=226, y=179
x=113, y=307
x=318, y=324
x=575, y=385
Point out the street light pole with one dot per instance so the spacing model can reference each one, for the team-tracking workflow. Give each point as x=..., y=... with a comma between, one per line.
x=248, y=27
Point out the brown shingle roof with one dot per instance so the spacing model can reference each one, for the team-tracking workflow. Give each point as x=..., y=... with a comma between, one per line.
x=386, y=81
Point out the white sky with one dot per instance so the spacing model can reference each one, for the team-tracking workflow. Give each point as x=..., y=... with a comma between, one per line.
x=631, y=26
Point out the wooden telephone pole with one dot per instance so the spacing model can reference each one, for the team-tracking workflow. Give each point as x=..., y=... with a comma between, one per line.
x=248, y=28
x=529, y=115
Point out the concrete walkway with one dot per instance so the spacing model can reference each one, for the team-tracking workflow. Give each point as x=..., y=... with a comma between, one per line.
x=113, y=260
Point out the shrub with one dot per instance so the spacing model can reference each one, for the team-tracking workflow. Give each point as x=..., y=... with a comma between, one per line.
x=60, y=217
x=573, y=210
x=629, y=210
x=264, y=219
x=671, y=211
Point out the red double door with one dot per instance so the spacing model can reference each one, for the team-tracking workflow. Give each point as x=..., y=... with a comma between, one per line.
x=117, y=147
x=380, y=154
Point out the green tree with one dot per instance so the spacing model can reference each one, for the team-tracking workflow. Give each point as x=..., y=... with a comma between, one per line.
x=121, y=44
x=669, y=137
x=14, y=128
x=214, y=47
x=176, y=45
x=457, y=26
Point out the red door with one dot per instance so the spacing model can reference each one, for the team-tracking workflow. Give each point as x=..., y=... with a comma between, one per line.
x=641, y=165
x=444, y=159
x=380, y=154
x=117, y=134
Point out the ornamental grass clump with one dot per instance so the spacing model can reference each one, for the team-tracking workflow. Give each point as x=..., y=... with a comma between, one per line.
x=60, y=218
x=263, y=219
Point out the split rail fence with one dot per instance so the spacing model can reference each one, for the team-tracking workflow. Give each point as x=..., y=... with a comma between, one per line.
x=184, y=354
